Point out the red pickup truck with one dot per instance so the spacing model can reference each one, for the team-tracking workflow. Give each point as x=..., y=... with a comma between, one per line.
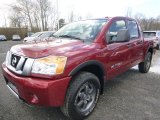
x=69, y=70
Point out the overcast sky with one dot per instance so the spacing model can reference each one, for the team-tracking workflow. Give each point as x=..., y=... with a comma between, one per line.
x=96, y=8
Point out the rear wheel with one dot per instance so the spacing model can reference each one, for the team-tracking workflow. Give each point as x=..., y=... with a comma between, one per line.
x=82, y=96
x=145, y=66
x=157, y=47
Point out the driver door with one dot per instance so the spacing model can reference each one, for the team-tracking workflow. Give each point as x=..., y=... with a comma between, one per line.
x=119, y=54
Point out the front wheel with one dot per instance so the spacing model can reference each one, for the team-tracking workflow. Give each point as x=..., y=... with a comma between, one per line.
x=145, y=66
x=82, y=96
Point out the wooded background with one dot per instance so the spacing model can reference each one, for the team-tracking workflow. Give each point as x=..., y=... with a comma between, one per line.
x=40, y=15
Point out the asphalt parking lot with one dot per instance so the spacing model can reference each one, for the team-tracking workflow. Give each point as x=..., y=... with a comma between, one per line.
x=129, y=96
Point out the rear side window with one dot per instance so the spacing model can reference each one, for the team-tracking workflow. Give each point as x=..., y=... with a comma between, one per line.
x=113, y=30
x=133, y=29
x=149, y=34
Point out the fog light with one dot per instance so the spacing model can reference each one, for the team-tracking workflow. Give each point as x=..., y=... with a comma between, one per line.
x=34, y=99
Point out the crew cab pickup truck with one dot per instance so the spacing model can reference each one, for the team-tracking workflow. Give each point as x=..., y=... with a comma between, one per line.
x=69, y=70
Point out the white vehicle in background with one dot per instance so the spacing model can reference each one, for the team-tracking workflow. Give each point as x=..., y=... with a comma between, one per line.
x=39, y=36
x=16, y=37
x=155, y=35
x=3, y=38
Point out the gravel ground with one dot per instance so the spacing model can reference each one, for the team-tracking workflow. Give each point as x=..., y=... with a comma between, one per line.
x=129, y=96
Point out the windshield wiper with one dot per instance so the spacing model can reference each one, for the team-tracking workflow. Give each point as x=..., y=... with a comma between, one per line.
x=70, y=36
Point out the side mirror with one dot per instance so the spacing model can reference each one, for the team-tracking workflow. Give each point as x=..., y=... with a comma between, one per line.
x=123, y=35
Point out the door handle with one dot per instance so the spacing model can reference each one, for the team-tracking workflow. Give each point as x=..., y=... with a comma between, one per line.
x=129, y=45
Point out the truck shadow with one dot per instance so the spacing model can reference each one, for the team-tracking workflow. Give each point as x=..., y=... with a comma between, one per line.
x=132, y=74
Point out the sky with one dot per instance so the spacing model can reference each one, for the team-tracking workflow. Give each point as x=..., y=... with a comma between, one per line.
x=95, y=8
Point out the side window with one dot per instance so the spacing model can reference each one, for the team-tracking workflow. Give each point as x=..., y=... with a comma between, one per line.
x=133, y=29
x=113, y=30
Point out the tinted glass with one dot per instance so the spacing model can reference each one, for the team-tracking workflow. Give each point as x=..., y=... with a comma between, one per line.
x=133, y=29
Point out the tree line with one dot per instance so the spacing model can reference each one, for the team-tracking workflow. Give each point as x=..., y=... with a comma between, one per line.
x=41, y=15
x=148, y=23
x=37, y=15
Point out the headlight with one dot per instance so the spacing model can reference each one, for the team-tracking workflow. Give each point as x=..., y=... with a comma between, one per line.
x=50, y=65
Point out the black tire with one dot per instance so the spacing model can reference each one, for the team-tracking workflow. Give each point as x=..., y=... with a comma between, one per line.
x=80, y=103
x=145, y=66
x=157, y=47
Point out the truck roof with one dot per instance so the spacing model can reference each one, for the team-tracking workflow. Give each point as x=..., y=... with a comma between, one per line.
x=105, y=18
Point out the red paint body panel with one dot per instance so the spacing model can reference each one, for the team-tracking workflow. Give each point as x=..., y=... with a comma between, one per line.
x=51, y=92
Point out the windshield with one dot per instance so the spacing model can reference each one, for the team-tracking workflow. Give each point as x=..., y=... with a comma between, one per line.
x=84, y=30
x=36, y=34
x=46, y=34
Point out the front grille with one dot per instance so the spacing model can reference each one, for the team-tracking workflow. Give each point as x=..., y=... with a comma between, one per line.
x=19, y=64
x=15, y=60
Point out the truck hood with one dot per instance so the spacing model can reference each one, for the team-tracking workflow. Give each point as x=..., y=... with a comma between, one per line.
x=59, y=47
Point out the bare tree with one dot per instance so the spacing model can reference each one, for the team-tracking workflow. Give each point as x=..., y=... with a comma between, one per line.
x=140, y=19
x=71, y=16
x=36, y=14
x=16, y=17
x=52, y=18
x=79, y=17
x=26, y=7
x=129, y=12
x=45, y=8
x=5, y=21
x=148, y=23
x=36, y=17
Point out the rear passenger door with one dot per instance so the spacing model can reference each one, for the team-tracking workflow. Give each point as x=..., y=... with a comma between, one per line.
x=136, y=42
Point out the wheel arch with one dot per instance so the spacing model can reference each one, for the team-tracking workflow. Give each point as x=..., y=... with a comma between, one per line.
x=94, y=67
x=150, y=50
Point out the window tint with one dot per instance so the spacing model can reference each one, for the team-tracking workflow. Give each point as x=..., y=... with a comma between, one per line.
x=133, y=29
x=114, y=28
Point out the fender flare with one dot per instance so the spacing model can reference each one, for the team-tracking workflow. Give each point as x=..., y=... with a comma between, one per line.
x=85, y=64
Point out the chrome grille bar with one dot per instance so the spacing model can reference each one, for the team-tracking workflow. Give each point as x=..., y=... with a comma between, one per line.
x=24, y=62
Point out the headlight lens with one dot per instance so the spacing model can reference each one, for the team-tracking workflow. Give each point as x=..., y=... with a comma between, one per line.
x=50, y=65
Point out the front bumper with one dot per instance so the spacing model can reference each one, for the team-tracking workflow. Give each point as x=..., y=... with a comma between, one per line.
x=37, y=91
